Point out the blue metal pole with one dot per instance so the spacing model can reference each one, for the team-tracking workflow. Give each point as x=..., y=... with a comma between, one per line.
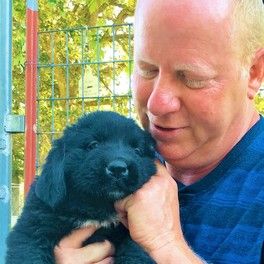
x=5, y=110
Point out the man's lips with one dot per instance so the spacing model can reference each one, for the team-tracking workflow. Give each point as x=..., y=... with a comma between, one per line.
x=165, y=133
x=164, y=128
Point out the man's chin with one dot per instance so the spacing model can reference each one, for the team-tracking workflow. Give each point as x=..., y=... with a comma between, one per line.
x=174, y=155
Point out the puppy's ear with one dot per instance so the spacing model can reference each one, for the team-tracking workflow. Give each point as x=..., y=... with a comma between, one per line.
x=51, y=186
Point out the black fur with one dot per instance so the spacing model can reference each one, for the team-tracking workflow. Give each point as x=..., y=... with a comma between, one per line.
x=100, y=159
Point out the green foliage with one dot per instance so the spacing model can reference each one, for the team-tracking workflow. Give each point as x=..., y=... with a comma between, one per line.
x=259, y=102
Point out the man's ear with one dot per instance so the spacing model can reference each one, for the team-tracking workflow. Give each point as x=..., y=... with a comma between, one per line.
x=256, y=73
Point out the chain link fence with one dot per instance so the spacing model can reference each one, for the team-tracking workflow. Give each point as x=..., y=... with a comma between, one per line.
x=81, y=70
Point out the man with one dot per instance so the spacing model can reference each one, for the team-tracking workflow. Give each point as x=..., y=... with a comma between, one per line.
x=198, y=66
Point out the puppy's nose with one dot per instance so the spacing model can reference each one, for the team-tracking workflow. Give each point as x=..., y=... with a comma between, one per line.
x=117, y=168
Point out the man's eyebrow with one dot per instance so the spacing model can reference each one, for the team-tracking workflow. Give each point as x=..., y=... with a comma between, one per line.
x=145, y=63
x=195, y=67
x=199, y=67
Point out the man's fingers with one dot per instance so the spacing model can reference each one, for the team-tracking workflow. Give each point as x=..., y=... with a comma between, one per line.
x=109, y=260
x=77, y=237
x=161, y=169
x=120, y=207
x=97, y=252
x=92, y=253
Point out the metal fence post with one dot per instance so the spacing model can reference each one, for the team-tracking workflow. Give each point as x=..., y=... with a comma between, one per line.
x=31, y=90
x=5, y=109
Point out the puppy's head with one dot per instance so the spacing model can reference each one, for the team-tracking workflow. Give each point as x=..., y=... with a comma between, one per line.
x=103, y=156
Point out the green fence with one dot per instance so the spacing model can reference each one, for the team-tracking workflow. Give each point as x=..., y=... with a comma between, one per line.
x=81, y=70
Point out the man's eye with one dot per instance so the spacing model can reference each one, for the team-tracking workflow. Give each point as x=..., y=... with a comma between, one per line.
x=195, y=84
x=191, y=83
x=148, y=74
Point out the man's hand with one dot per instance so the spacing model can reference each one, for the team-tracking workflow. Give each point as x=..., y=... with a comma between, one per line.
x=152, y=213
x=70, y=250
x=152, y=217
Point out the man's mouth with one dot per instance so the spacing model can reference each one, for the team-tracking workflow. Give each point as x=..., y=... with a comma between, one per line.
x=165, y=133
x=164, y=128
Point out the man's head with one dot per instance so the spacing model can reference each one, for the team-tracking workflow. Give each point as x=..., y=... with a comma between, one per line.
x=193, y=89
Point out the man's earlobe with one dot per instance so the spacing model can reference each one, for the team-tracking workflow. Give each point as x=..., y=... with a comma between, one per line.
x=256, y=74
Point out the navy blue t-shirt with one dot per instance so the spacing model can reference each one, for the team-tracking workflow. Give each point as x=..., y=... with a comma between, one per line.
x=222, y=215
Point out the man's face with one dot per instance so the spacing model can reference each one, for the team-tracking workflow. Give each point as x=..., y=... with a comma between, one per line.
x=188, y=87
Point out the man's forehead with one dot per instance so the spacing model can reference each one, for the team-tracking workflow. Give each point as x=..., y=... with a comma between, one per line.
x=217, y=9
x=187, y=28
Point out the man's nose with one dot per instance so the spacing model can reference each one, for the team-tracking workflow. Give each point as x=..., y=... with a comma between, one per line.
x=165, y=97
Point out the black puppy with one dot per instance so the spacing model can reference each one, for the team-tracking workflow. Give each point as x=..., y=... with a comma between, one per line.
x=99, y=160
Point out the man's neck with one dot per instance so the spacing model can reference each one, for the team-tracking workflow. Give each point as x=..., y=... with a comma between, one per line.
x=188, y=177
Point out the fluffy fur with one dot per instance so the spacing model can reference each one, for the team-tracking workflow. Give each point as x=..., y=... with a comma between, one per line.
x=100, y=159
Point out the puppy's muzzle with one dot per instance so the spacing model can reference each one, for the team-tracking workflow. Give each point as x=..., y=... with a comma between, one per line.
x=117, y=168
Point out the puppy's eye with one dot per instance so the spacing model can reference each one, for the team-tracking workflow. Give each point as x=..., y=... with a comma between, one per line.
x=138, y=151
x=92, y=145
